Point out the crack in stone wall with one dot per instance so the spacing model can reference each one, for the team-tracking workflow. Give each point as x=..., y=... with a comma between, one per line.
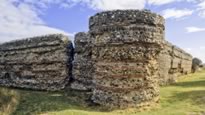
x=82, y=65
x=42, y=63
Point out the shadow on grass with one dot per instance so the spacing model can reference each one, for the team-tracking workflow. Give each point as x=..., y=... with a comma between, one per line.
x=200, y=83
x=36, y=102
x=22, y=102
x=196, y=97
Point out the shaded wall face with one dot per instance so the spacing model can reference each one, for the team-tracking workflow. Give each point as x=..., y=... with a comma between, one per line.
x=41, y=63
x=126, y=45
x=165, y=63
x=173, y=62
x=82, y=65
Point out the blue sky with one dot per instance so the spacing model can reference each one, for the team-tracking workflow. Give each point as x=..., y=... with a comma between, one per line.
x=185, y=19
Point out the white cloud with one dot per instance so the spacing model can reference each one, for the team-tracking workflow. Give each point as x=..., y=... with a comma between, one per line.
x=124, y=4
x=188, y=49
x=202, y=13
x=176, y=13
x=202, y=4
x=22, y=20
x=115, y=4
x=202, y=47
x=161, y=2
x=194, y=29
x=201, y=8
x=197, y=52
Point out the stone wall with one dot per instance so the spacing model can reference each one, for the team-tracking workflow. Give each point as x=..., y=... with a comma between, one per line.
x=124, y=57
x=82, y=65
x=121, y=60
x=126, y=45
x=173, y=62
x=42, y=63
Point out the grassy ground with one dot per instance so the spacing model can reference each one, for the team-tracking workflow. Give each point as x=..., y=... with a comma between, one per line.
x=187, y=97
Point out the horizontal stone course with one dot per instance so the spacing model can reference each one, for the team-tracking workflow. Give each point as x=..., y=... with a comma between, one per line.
x=126, y=18
x=124, y=53
x=82, y=65
x=40, y=63
x=173, y=62
x=122, y=60
x=130, y=58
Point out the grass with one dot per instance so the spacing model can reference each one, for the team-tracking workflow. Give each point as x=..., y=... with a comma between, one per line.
x=187, y=97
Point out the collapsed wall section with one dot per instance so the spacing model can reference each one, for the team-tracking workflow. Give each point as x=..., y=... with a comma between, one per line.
x=82, y=65
x=126, y=45
x=173, y=62
x=42, y=63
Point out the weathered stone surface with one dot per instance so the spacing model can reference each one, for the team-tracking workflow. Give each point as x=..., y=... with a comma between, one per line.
x=42, y=63
x=82, y=65
x=173, y=62
x=121, y=60
x=126, y=45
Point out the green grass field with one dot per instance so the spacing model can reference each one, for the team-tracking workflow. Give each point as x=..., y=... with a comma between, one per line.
x=187, y=97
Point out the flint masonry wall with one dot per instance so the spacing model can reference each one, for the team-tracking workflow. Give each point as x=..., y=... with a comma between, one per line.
x=82, y=65
x=42, y=63
x=124, y=57
x=126, y=45
x=173, y=62
x=122, y=60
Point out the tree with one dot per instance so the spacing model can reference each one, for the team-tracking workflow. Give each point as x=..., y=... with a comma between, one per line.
x=196, y=63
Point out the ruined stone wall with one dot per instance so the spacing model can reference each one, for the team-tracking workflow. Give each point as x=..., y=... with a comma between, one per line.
x=164, y=61
x=82, y=65
x=173, y=62
x=124, y=57
x=42, y=63
x=126, y=45
x=122, y=60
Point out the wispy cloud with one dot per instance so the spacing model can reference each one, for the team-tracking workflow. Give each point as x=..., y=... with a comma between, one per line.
x=22, y=20
x=202, y=47
x=93, y=4
x=125, y=4
x=201, y=8
x=197, y=52
x=161, y=2
x=188, y=49
x=115, y=4
x=194, y=29
x=176, y=13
